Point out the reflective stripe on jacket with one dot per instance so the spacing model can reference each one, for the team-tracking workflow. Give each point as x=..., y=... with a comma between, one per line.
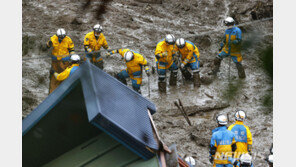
x=189, y=53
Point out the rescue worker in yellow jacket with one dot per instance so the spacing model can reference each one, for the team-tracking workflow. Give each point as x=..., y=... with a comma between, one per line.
x=222, y=145
x=189, y=58
x=62, y=48
x=74, y=65
x=93, y=41
x=165, y=56
x=135, y=63
x=231, y=46
x=242, y=133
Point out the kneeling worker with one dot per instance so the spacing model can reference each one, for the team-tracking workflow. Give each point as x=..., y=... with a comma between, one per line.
x=74, y=64
x=134, y=63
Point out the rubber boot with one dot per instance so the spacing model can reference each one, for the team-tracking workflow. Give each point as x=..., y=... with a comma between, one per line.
x=162, y=86
x=217, y=63
x=173, y=78
x=186, y=74
x=240, y=70
x=196, y=79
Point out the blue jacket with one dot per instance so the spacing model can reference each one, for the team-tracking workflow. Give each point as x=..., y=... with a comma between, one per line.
x=222, y=139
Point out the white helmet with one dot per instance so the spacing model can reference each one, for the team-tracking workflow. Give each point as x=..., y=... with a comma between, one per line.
x=270, y=158
x=180, y=42
x=240, y=115
x=61, y=33
x=170, y=39
x=75, y=58
x=190, y=161
x=221, y=119
x=229, y=21
x=98, y=28
x=128, y=56
x=245, y=159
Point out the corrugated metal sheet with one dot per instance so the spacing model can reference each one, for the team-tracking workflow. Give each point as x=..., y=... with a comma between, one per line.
x=111, y=106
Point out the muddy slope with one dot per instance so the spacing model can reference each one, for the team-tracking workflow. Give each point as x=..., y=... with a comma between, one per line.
x=140, y=24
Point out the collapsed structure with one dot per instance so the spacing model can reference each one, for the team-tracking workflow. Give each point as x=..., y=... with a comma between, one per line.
x=92, y=119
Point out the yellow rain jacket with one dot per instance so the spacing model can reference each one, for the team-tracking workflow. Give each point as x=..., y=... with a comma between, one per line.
x=90, y=42
x=189, y=53
x=136, y=64
x=243, y=137
x=65, y=74
x=134, y=67
x=232, y=34
x=170, y=49
x=61, y=50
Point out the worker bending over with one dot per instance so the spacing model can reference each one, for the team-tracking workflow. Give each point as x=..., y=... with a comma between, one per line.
x=74, y=65
x=62, y=48
x=189, y=59
x=93, y=41
x=134, y=64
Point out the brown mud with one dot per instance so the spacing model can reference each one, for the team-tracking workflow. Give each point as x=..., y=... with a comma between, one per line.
x=140, y=24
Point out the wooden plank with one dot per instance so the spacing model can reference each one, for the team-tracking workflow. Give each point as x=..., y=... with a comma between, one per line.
x=85, y=152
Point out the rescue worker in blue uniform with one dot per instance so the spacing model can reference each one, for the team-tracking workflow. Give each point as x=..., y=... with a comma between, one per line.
x=231, y=46
x=134, y=66
x=74, y=65
x=222, y=144
x=189, y=59
x=93, y=41
x=243, y=135
x=165, y=56
x=245, y=160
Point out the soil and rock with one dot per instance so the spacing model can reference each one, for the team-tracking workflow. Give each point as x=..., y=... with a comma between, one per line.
x=139, y=25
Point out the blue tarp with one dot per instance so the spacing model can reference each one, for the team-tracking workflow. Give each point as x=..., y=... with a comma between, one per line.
x=111, y=106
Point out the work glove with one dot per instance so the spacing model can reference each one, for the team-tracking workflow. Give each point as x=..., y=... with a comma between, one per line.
x=52, y=71
x=49, y=44
x=211, y=159
x=250, y=149
x=147, y=71
x=108, y=54
x=157, y=56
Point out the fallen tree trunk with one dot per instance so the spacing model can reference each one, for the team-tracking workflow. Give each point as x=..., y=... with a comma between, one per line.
x=192, y=110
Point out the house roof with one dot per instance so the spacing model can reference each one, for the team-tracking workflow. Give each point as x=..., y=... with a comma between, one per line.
x=97, y=102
